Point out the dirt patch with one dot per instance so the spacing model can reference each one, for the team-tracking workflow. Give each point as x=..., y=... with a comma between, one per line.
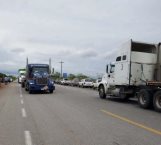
x=2, y=85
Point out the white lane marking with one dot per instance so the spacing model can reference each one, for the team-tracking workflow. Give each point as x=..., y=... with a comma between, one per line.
x=28, y=140
x=21, y=95
x=23, y=112
x=22, y=102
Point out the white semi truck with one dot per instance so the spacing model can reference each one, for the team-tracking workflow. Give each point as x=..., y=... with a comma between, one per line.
x=135, y=73
x=21, y=76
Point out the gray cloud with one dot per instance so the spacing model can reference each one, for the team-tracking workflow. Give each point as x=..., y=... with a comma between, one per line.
x=88, y=54
x=84, y=33
x=18, y=50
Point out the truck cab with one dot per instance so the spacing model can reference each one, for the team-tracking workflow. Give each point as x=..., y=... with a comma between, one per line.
x=38, y=78
x=21, y=76
x=136, y=72
x=134, y=66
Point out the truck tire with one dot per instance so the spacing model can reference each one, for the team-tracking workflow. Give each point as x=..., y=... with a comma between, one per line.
x=30, y=91
x=145, y=99
x=102, y=92
x=51, y=91
x=26, y=87
x=157, y=101
x=22, y=85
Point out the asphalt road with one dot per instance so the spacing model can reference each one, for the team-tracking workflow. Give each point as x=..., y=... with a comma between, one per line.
x=73, y=116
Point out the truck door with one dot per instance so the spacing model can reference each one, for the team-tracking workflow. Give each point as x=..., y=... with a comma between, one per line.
x=111, y=74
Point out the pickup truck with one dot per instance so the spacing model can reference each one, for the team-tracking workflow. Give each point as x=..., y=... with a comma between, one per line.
x=86, y=83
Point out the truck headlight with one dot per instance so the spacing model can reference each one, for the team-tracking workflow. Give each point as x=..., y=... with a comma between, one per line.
x=31, y=83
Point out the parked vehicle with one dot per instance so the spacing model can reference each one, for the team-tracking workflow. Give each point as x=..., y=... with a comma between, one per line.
x=57, y=81
x=68, y=82
x=86, y=83
x=21, y=76
x=6, y=80
x=96, y=83
x=136, y=72
x=10, y=79
x=38, y=78
x=75, y=82
x=64, y=81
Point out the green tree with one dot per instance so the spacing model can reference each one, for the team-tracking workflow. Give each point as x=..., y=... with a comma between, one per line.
x=13, y=77
x=81, y=76
x=2, y=75
x=71, y=76
x=56, y=76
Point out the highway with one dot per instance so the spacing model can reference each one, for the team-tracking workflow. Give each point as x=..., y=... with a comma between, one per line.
x=73, y=116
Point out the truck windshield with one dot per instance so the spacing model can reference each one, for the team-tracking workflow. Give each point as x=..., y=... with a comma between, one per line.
x=22, y=74
x=40, y=69
x=112, y=68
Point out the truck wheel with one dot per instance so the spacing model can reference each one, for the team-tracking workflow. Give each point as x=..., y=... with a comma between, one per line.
x=102, y=92
x=22, y=85
x=30, y=91
x=51, y=91
x=145, y=99
x=157, y=101
x=26, y=87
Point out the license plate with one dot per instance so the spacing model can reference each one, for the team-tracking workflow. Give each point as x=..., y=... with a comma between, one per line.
x=44, y=88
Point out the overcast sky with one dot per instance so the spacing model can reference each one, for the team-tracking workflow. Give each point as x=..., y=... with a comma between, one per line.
x=85, y=34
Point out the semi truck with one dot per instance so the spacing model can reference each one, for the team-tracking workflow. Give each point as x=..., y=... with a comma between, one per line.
x=38, y=78
x=136, y=72
x=21, y=75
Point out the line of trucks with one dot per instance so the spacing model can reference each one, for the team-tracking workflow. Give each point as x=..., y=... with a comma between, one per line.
x=136, y=72
x=36, y=77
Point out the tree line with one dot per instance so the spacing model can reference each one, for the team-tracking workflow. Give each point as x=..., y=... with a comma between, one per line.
x=56, y=76
x=2, y=75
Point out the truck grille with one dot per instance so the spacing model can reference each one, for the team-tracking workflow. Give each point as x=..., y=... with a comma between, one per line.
x=42, y=81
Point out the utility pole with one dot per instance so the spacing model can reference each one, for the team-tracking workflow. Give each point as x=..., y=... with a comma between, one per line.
x=27, y=61
x=61, y=68
x=50, y=65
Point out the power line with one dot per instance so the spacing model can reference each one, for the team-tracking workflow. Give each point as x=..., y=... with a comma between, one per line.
x=61, y=67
